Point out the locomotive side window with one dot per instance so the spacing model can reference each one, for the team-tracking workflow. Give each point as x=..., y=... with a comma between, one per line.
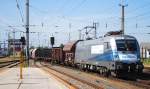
x=126, y=45
x=107, y=46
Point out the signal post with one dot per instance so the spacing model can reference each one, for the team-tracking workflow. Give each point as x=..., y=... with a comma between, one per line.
x=22, y=40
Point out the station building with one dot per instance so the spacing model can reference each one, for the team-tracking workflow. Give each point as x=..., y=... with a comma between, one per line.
x=3, y=49
x=14, y=46
x=145, y=50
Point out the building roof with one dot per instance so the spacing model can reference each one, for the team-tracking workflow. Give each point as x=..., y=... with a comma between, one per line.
x=145, y=45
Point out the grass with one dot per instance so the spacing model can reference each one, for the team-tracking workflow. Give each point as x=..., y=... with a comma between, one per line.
x=146, y=61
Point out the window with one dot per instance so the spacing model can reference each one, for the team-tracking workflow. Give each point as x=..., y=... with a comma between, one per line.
x=107, y=45
x=149, y=51
x=126, y=45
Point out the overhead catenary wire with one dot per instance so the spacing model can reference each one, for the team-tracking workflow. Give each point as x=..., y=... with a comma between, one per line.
x=20, y=12
x=37, y=9
x=78, y=5
x=140, y=15
x=138, y=18
x=138, y=8
x=8, y=25
x=146, y=4
x=62, y=6
x=72, y=9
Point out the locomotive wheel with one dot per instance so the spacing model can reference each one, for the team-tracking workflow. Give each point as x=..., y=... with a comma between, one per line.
x=101, y=71
x=113, y=74
x=140, y=72
x=104, y=71
x=87, y=67
x=83, y=67
x=108, y=73
x=94, y=68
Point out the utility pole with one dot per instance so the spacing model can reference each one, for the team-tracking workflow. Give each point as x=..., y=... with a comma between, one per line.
x=27, y=31
x=9, y=43
x=69, y=31
x=14, y=52
x=95, y=28
x=90, y=28
x=39, y=37
x=79, y=34
x=4, y=46
x=122, y=16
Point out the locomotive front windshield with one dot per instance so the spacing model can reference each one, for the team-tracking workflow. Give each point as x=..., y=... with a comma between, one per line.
x=126, y=45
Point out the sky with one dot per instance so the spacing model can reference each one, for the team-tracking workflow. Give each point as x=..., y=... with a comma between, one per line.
x=59, y=18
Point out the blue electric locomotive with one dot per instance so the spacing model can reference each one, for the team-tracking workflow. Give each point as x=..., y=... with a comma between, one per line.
x=115, y=53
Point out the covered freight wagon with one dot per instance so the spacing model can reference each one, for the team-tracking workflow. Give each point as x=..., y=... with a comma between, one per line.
x=69, y=51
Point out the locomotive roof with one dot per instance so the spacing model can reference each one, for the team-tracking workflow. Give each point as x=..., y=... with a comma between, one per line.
x=121, y=37
x=107, y=38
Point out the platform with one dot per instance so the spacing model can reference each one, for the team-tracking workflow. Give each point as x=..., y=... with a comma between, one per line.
x=33, y=78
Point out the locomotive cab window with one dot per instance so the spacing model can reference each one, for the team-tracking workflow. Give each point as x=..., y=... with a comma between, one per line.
x=126, y=45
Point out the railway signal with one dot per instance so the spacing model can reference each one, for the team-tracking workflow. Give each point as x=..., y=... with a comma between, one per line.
x=52, y=39
x=23, y=40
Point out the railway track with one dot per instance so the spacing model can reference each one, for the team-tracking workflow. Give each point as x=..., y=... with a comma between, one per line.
x=144, y=84
x=142, y=81
x=119, y=82
x=9, y=64
x=148, y=68
x=76, y=83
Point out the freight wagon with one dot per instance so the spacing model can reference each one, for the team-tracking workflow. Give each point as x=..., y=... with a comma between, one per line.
x=41, y=54
x=57, y=55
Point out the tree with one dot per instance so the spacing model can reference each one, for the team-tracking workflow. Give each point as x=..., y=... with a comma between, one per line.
x=61, y=45
x=32, y=47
